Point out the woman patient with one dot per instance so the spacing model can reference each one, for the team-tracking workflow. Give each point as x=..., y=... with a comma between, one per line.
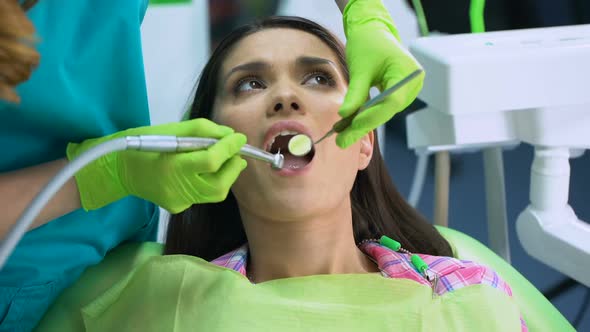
x=306, y=237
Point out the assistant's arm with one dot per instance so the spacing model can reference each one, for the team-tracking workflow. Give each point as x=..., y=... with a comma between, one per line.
x=19, y=187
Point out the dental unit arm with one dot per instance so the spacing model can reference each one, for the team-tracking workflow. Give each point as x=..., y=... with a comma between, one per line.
x=152, y=143
x=497, y=89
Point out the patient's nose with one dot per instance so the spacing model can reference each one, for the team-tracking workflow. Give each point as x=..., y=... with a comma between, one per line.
x=292, y=106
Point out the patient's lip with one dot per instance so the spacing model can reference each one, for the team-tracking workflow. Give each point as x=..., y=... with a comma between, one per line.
x=279, y=126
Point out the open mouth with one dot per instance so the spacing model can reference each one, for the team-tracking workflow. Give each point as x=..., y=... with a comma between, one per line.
x=280, y=144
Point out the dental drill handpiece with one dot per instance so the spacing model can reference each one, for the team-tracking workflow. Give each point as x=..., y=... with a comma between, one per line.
x=186, y=144
x=145, y=143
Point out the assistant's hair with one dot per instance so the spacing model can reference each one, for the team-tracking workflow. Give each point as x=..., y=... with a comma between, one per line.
x=211, y=230
x=18, y=57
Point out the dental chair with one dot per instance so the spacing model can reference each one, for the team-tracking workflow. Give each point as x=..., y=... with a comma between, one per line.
x=64, y=315
x=537, y=311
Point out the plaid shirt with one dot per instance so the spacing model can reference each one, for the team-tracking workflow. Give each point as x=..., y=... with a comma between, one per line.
x=453, y=273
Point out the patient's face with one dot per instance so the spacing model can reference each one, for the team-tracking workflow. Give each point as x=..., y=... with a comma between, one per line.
x=276, y=83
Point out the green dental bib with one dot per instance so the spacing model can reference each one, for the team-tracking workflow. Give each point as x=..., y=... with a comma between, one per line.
x=185, y=293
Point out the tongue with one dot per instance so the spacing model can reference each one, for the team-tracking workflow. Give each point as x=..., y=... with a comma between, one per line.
x=293, y=162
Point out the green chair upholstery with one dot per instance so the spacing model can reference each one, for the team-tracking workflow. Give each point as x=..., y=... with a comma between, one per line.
x=64, y=315
x=537, y=311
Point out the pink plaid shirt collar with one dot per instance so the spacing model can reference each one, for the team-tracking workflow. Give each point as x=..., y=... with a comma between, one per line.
x=453, y=273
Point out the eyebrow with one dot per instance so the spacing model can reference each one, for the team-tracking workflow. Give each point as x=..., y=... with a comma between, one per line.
x=314, y=61
x=249, y=66
x=258, y=66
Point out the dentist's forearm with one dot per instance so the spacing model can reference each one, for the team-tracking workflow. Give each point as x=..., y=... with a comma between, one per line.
x=341, y=4
x=18, y=188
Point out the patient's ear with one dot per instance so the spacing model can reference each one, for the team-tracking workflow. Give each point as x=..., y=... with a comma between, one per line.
x=366, y=152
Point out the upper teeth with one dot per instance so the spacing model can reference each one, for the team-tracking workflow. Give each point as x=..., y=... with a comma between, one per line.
x=282, y=133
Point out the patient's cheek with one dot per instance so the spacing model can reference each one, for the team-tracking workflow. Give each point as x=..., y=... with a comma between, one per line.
x=221, y=117
x=331, y=102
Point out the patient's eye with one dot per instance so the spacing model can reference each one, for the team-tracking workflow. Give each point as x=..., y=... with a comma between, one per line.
x=319, y=78
x=248, y=84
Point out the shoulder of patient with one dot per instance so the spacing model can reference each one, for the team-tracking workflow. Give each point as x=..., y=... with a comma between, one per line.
x=453, y=273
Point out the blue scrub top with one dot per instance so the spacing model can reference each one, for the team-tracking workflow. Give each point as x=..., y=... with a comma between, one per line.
x=90, y=83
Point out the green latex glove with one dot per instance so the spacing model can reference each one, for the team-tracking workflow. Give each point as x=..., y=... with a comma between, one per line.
x=375, y=57
x=173, y=181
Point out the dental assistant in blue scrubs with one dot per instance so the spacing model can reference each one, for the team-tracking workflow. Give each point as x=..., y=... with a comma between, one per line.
x=89, y=88
x=89, y=83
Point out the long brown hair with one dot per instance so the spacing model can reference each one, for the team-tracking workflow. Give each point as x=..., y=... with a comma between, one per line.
x=18, y=56
x=211, y=230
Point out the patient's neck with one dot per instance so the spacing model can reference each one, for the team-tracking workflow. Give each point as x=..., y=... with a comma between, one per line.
x=323, y=244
